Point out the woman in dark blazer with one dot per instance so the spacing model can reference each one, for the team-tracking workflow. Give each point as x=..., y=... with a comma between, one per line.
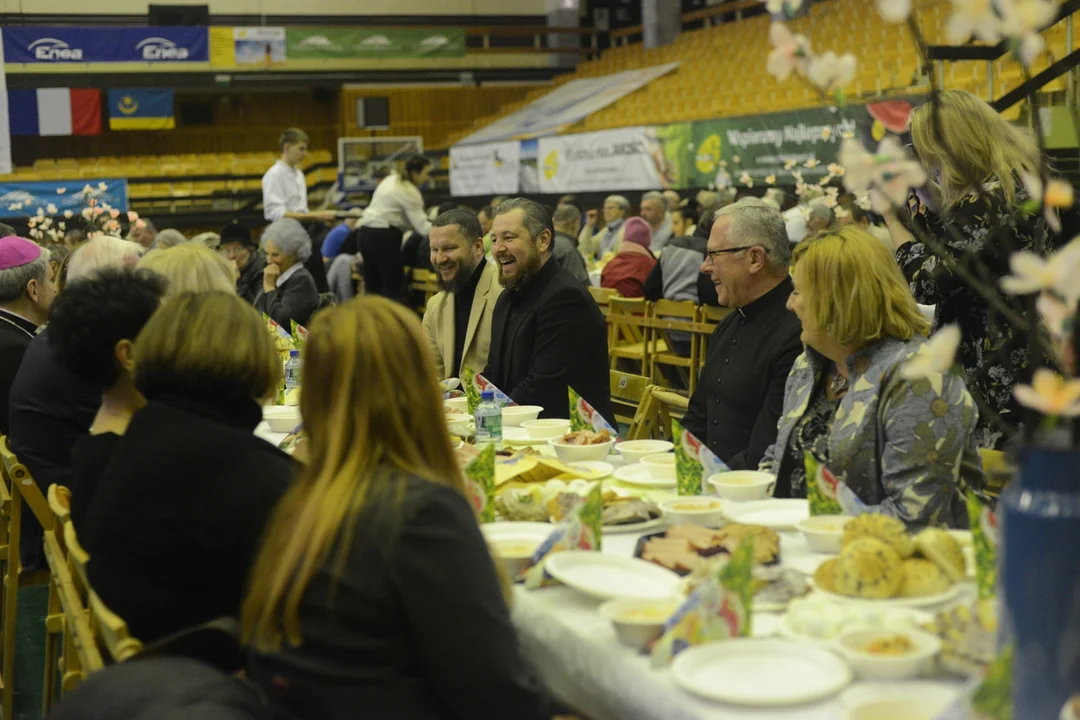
x=289, y=291
x=174, y=524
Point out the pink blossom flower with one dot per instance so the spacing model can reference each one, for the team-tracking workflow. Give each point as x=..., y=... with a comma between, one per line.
x=114, y=213
x=789, y=54
x=98, y=211
x=132, y=216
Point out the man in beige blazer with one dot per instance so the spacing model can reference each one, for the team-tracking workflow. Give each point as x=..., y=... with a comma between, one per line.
x=457, y=321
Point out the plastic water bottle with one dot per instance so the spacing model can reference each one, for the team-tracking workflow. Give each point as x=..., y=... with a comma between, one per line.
x=292, y=370
x=488, y=421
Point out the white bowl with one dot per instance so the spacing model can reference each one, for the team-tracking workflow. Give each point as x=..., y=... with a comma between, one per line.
x=459, y=424
x=920, y=700
x=823, y=533
x=514, y=415
x=634, y=450
x=281, y=418
x=546, y=429
x=459, y=405
x=867, y=666
x=580, y=453
x=694, y=510
x=661, y=467
x=743, y=484
x=638, y=622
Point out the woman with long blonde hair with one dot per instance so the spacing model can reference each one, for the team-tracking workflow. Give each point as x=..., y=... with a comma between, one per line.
x=903, y=445
x=976, y=160
x=374, y=593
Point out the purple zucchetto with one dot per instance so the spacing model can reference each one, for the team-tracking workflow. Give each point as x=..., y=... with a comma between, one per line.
x=17, y=251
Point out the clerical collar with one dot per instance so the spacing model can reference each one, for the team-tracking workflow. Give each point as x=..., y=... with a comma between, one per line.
x=10, y=319
x=778, y=294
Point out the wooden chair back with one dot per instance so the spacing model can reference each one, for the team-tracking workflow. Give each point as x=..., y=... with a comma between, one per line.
x=603, y=296
x=422, y=281
x=626, y=321
x=678, y=317
x=658, y=408
x=67, y=622
x=627, y=392
x=997, y=471
x=108, y=628
x=81, y=652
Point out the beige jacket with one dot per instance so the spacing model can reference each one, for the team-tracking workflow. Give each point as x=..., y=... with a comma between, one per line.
x=439, y=325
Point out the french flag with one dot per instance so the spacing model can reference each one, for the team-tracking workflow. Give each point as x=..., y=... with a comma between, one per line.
x=54, y=111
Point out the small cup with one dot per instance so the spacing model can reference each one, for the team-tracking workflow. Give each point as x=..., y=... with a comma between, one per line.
x=458, y=405
x=638, y=622
x=743, y=484
x=661, y=466
x=823, y=533
x=514, y=415
x=634, y=450
x=546, y=429
x=694, y=510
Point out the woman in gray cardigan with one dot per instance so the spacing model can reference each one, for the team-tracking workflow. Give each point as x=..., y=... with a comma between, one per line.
x=903, y=442
x=289, y=291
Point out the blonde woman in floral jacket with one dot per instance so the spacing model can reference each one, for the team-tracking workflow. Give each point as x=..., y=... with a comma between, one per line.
x=902, y=442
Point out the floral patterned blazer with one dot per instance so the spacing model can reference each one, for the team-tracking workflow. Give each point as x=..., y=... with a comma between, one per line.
x=905, y=447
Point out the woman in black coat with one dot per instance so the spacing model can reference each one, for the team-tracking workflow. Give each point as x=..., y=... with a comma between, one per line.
x=174, y=524
x=289, y=291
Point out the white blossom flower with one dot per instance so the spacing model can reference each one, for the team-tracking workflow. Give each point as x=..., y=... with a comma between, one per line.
x=787, y=7
x=103, y=186
x=746, y=180
x=886, y=176
x=836, y=170
x=1050, y=394
x=840, y=212
x=87, y=190
x=796, y=175
x=789, y=53
x=863, y=201
x=894, y=11
x=1056, y=316
x=51, y=209
x=790, y=163
x=736, y=159
x=826, y=133
x=132, y=216
x=1059, y=273
x=61, y=190
x=1058, y=194
x=972, y=17
x=936, y=356
x=68, y=214
x=831, y=72
x=87, y=212
x=770, y=179
x=812, y=163
x=1023, y=19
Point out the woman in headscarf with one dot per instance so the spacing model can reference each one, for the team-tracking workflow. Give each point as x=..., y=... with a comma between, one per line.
x=627, y=271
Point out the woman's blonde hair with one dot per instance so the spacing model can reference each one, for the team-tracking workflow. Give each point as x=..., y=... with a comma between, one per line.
x=191, y=267
x=973, y=145
x=209, y=344
x=369, y=383
x=854, y=290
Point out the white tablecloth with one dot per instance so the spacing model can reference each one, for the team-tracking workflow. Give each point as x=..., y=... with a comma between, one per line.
x=578, y=657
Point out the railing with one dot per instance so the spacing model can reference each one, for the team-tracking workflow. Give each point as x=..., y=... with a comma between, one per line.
x=624, y=36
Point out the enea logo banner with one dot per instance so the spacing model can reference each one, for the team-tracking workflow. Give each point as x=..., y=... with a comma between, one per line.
x=105, y=44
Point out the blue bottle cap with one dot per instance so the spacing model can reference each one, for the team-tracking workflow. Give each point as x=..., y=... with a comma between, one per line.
x=487, y=395
x=294, y=353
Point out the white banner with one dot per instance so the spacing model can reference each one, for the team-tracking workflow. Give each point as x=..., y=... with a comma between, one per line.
x=490, y=169
x=5, y=127
x=567, y=105
x=621, y=159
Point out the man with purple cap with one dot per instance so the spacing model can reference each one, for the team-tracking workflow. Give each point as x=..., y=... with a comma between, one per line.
x=26, y=291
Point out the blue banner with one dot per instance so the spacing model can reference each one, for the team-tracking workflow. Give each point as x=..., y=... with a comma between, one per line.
x=105, y=44
x=22, y=199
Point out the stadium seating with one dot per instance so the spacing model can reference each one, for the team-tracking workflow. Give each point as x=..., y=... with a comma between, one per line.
x=722, y=68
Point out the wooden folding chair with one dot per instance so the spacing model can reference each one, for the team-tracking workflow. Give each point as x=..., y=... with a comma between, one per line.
x=668, y=317
x=81, y=653
x=66, y=604
x=603, y=296
x=19, y=489
x=424, y=282
x=997, y=471
x=627, y=392
x=658, y=408
x=626, y=332
x=107, y=627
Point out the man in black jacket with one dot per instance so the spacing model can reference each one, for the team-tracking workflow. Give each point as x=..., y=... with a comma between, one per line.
x=547, y=332
x=741, y=392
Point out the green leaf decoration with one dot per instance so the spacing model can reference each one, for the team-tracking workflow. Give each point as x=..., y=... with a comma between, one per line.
x=688, y=468
x=480, y=484
x=985, y=552
x=816, y=490
x=993, y=696
x=472, y=394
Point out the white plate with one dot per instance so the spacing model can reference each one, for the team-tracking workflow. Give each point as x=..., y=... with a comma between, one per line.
x=773, y=514
x=751, y=671
x=634, y=527
x=517, y=436
x=639, y=474
x=595, y=468
x=765, y=625
x=910, y=700
x=906, y=602
x=512, y=530
x=607, y=577
x=891, y=619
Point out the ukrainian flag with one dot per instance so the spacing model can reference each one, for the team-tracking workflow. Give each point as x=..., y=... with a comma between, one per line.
x=143, y=109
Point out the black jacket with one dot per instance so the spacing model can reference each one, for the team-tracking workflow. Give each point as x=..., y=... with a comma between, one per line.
x=413, y=626
x=547, y=336
x=15, y=336
x=677, y=274
x=250, y=282
x=296, y=299
x=740, y=395
x=175, y=523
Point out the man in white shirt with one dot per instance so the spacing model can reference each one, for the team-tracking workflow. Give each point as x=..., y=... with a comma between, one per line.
x=284, y=186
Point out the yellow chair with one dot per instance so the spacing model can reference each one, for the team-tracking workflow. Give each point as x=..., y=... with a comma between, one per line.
x=658, y=408
x=107, y=627
x=627, y=392
x=626, y=332
x=603, y=296
x=19, y=489
x=997, y=471
x=67, y=609
x=667, y=317
x=81, y=653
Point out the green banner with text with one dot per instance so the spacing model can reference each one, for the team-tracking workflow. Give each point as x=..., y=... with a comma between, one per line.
x=352, y=43
x=770, y=145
